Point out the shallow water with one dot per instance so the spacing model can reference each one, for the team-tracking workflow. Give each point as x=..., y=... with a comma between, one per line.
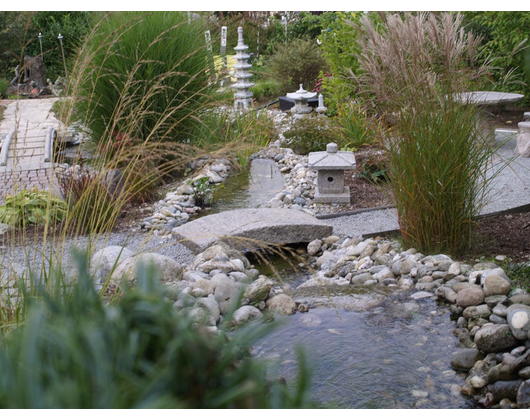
x=386, y=351
x=252, y=187
x=380, y=358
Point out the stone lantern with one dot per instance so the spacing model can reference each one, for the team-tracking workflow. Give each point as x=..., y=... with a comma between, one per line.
x=331, y=165
x=301, y=108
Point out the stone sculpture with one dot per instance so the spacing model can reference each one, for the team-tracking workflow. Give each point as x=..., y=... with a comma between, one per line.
x=331, y=165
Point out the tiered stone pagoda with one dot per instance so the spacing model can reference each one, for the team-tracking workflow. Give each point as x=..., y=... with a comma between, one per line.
x=243, y=96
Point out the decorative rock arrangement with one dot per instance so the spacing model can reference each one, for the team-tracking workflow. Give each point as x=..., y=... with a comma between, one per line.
x=493, y=321
x=217, y=280
x=178, y=205
x=299, y=191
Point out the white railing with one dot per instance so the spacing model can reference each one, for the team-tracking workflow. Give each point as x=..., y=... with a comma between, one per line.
x=51, y=134
x=5, y=148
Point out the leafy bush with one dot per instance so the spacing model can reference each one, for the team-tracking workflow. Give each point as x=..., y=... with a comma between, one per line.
x=266, y=90
x=74, y=351
x=311, y=135
x=505, y=38
x=519, y=274
x=339, y=48
x=202, y=191
x=20, y=32
x=14, y=30
x=73, y=26
x=32, y=207
x=375, y=169
x=295, y=63
x=355, y=127
x=4, y=84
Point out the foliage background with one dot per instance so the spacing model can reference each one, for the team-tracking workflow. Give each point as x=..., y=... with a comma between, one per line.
x=502, y=32
x=19, y=37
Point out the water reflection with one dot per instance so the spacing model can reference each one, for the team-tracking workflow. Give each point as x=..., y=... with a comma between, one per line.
x=252, y=187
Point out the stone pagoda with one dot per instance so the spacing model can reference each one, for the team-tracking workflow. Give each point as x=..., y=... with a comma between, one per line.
x=243, y=96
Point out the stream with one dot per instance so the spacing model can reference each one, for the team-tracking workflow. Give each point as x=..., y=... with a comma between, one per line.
x=367, y=347
x=251, y=187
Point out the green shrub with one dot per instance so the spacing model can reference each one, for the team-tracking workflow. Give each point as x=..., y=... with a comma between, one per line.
x=4, y=84
x=519, y=274
x=375, y=169
x=505, y=36
x=355, y=127
x=266, y=90
x=73, y=26
x=32, y=207
x=311, y=135
x=20, y=32
x=295, y=63
x=142, y=76
x=340, y=49
x=75, y=351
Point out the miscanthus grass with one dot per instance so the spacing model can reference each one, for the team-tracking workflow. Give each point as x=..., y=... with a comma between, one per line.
x=412, y=70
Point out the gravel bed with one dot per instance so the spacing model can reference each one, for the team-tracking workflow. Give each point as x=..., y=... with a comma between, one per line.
x=135, y=241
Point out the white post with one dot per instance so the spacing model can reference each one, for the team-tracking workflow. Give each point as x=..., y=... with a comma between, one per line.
x=60, y=38
x=208, y=38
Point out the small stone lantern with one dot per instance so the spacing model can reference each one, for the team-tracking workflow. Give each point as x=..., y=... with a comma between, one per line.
x=301, y=108
x=331, y=165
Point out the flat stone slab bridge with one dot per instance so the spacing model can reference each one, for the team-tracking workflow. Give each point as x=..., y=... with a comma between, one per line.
x=251, y=228
x=26, y=145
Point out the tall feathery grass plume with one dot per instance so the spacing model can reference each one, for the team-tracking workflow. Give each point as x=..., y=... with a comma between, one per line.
x=413, y=68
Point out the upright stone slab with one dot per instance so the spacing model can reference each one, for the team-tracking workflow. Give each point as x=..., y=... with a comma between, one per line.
x=251, y=228
x=522, y=148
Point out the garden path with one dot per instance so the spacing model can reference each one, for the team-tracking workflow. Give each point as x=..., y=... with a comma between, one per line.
x=25, y=167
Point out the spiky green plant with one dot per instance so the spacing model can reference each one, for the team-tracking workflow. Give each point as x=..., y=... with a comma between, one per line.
x=141, y=77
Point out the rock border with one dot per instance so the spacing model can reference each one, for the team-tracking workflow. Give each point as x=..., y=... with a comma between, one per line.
x=493, y=320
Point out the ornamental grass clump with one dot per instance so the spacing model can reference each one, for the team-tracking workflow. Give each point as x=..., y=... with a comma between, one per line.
x=141, y=77
x=412, y=69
